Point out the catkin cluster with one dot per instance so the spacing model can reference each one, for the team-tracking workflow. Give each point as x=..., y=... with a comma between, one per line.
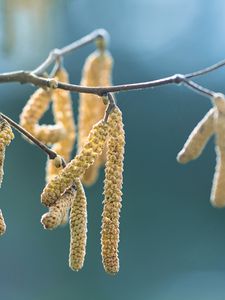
x=213, y=122
x=96, y=72
x=77, y=167
x=112, y=192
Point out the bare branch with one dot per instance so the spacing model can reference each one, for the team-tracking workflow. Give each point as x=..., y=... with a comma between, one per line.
x=51, y=154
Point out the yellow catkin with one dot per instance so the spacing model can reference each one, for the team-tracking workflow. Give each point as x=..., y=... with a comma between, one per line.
x=63, y=114
x=96, y=72
x=197, y=139
x=56, y=214
x=6, y=136
x=218, y=189
x=2, y=224
x=32, y=113
x=77, y=167
x=78, y=228
x=112, y=192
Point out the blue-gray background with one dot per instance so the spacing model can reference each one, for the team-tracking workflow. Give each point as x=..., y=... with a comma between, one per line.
x=172, y=241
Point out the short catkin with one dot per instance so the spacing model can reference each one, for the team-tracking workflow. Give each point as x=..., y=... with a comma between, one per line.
x=218, y=189
x=113, y=192
x=77, y=167
x=36, y=106
x=63, y=115
x=97, y=71
x=2, y=224
x=78, y=228
x=56, y=214
x=197, y=139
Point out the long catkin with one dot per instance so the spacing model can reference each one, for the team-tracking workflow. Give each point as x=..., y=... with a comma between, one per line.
x=113, y=193
x=76, y=167
x=78, y=228
x=56, y=214
x=197, y=139
x=218, y=189
x=63, y=115
x=96, y=72
x=36, y=106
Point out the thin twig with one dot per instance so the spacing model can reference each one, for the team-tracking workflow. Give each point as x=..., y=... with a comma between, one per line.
x=51, y=154
x=56, y=53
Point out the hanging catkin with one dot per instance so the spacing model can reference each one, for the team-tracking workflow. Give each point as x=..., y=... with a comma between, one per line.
x=96, y=72
x=56, y=214
x=197, y=139
x=2, y=224
x=36, y=106
x=63, y=114
x=218, y=188
x=6, y=136
x=113, y=192
x=78, y=228
x=77, y=167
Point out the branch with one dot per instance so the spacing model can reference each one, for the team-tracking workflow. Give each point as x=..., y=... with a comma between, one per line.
x=51, y=154
x=100, y=37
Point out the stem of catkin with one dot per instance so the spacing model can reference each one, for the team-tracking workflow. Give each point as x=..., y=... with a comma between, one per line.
x=113, y=192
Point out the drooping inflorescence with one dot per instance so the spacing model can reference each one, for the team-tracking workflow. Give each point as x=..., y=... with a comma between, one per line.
x=64, y=117
x=96, y=72
x=35, y=108
x=78, y=228
x=77, y=167
x=213, y=122
x=113, y=192
x=6, y=136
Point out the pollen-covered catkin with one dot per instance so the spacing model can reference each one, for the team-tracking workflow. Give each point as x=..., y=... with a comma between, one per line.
x=77, y=167
x=56, y=214
x=78, y=228
x=112, y=192
x=218, y=188
x=32, y=113
x=63, y=114
x=96, y=72
x=2, y=224
x=6, y=136
x=197, y=139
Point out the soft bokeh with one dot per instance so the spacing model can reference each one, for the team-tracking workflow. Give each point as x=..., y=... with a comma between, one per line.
x=172, y=241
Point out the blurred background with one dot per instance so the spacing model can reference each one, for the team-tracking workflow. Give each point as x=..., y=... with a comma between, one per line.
x=172, y=240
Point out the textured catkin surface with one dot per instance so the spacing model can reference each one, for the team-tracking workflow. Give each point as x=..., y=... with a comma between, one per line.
x=35, y=108
x=112, y=193
x=57, y=213
x=2, y=224
x=218, y=190
x=6, y=136
x=197, y=139
x=77, y=167
x=96, y=72
x=63, y=115
x=78, y=228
